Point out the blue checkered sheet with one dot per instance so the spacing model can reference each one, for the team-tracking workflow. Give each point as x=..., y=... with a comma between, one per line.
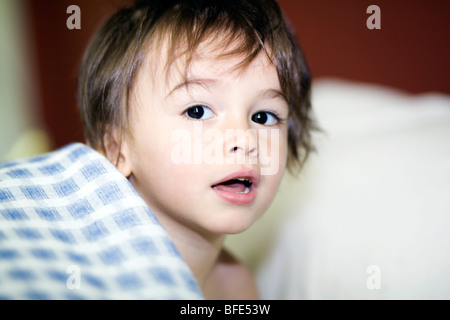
x=73, y=227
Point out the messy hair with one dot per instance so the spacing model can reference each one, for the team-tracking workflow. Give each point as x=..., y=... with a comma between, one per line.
x=246, y=28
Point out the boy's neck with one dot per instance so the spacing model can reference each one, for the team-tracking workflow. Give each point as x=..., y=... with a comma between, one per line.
x=200, y=250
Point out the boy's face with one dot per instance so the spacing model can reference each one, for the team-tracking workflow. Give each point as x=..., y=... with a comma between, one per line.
x=208, y=153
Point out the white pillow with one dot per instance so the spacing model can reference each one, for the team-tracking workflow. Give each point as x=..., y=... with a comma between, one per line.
x=369, y=218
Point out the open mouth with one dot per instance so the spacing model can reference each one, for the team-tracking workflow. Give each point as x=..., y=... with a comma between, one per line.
x=238, y=185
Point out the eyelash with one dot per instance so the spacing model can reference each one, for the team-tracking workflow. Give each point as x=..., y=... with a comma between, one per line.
x=275, y=115
x=191, y=107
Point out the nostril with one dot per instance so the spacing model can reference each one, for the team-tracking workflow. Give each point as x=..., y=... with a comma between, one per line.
x=252, y=152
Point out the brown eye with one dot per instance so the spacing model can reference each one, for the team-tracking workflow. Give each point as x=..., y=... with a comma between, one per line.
x=265, y=118
x=199, y=112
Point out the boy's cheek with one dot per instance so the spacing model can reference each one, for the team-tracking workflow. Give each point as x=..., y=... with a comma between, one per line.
x=272, y=152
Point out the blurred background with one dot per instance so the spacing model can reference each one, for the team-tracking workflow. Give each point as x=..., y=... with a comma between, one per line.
x=40, y=57
x=377, y=192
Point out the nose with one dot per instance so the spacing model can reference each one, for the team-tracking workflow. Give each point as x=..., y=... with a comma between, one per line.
x=242, y=141
x=251, y=151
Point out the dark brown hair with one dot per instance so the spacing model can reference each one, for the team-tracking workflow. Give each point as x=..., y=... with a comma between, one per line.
x=245, y=27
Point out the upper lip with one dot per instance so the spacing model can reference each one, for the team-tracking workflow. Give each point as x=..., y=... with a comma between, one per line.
x=253, y=175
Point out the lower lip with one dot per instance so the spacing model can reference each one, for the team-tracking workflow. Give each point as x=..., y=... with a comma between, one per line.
x=237, y=198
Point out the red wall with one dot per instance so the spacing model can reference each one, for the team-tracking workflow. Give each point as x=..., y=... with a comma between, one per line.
x=411, y=51
x=58, y=53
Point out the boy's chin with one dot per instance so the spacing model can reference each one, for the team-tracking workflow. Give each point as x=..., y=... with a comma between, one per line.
x=232, y=226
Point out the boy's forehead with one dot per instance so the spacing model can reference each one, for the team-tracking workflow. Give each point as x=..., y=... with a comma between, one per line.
x=209, y=60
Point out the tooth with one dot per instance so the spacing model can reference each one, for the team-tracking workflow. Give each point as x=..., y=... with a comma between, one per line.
x=247, y=190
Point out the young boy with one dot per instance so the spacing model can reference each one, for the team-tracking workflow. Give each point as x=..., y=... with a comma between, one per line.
x=199, y=106
x=228, y=80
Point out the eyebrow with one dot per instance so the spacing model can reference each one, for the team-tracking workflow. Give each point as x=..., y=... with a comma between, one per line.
x=273, y=94
x=211, y=83
x=188, y=83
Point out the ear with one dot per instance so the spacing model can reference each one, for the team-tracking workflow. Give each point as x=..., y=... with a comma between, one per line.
x=117, y=153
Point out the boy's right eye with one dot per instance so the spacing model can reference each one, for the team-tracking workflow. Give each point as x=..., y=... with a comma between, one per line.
x=199, y=112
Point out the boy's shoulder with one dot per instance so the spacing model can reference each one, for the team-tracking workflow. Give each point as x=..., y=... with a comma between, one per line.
x=231, y=279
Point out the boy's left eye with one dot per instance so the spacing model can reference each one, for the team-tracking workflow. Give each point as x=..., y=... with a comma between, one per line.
x=199, y=112
x=265, y=118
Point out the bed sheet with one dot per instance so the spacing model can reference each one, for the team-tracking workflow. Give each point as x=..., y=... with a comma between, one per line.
x=72, y=227
x=369, y=217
